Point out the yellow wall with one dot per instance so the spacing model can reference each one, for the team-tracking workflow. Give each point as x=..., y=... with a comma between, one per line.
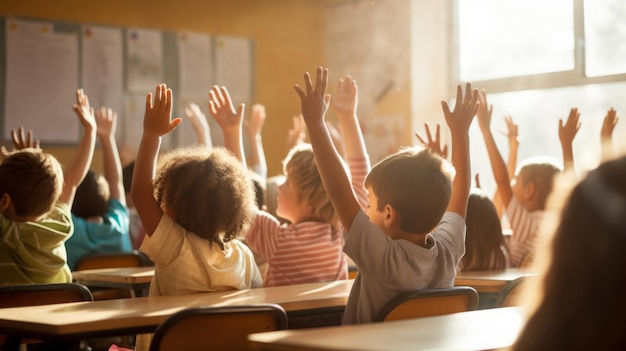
x=288, y=35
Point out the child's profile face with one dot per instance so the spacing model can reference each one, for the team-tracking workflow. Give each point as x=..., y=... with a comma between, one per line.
x=288, y=205
x=375, y=216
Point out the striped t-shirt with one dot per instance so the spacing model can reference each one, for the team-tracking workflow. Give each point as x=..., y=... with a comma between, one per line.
x=524, y=225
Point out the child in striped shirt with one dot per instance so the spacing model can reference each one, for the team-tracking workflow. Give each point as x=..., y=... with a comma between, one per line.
x=310, y=247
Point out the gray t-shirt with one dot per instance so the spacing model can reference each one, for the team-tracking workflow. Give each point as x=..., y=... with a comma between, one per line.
x=388, y=267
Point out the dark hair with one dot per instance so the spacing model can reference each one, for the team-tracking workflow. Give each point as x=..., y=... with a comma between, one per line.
x=417, y=183
x=127, y=176
x=92, y=196
x=485, y=247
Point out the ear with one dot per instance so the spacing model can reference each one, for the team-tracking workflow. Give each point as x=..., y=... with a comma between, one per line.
x=530, y=191
x=5, y=202
x=391, y=216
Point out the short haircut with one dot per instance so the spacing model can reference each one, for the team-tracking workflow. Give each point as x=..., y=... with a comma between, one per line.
x=301, y=169
x=208, y=191
x=539, y=171
x=92, y=196
x=417, y=183
x=33, y=179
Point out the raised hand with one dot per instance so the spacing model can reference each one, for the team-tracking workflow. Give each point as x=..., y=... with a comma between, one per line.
x=433, y=144
x=512, y=132
x=84, y=111
x=465, y=108
x=21, y=141
x=157, y=119
x=254, y=126
x=296, y=134
x=609, y=123
x=199, y=123
x=484, y=111
x=106, y=120
x=345, y=100
x=568, y=131
x=314, y=101
x=222, y=109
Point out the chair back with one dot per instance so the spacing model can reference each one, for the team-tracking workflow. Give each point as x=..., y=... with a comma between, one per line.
x=43, y=294
x=429, y=302
x=110, y=260
x=217, y=328
x=509, y=295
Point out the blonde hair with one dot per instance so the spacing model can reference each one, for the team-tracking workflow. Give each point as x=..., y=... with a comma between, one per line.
x=208, y=190
x=300, y=167
x=539, y=171
x=33, y=179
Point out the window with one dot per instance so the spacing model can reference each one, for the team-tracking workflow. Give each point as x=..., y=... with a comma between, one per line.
x=537, y=59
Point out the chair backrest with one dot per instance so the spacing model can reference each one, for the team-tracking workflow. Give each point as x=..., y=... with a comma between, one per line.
x=217, y=328
x=429, y=302
x=43, y=294
x=509, y=295
x=110, y=260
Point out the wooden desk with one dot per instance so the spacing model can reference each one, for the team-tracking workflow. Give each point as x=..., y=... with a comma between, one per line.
x=488, y=284
x=135, y=279
x=79, y=320
x=475, y=330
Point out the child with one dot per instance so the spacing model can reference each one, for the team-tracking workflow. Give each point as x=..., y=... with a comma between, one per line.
x=199, y=208
x=408, y=242
x=485, y=248
x=524, y=197
x=582, y=283
x=99, y=213
x=309, y=248
x=35, y=202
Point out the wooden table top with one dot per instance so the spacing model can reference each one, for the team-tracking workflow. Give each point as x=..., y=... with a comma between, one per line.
x=126, y=275
x=142, y=314
x=490, y=281
x=475, y=330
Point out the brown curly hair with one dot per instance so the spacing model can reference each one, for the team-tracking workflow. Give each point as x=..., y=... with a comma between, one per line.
x=208, y=190
x=302, y=171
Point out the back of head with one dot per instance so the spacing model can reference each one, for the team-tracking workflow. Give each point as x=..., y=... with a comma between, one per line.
x=583, y=283
x=484, y=242
x=541, y=172
x=417, y=183
x=92, y=196
x=33, y=179
x=208, y=191
x=300, y=167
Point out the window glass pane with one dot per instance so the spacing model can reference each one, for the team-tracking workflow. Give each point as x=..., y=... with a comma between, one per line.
x=537, y=113
x=506, y=38
x=605, y=35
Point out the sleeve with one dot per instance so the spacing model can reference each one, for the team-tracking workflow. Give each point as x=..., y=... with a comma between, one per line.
x=263, y=235
x=451, y=230
x=165, y=244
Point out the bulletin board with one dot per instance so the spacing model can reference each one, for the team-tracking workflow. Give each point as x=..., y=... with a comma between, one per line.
x=42, y=63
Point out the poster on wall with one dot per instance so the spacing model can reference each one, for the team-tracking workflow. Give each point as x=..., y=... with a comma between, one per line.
x=41, y=80
x=233, y=67
x=144, y=60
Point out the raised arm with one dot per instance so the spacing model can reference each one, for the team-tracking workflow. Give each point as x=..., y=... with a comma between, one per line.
x=297, y=134
x=344, y=105
x=156, y=123
x=459, y=121
x=315, y=103
x=199, y=124
x=498, y=167
x=106, y=120
x=230, y=120
x=606, y=134
x=512, y=134
x=253, y=129
x=77, y=169
x=567, y=133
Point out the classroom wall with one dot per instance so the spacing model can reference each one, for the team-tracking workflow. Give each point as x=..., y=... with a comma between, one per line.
x=288, y=38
